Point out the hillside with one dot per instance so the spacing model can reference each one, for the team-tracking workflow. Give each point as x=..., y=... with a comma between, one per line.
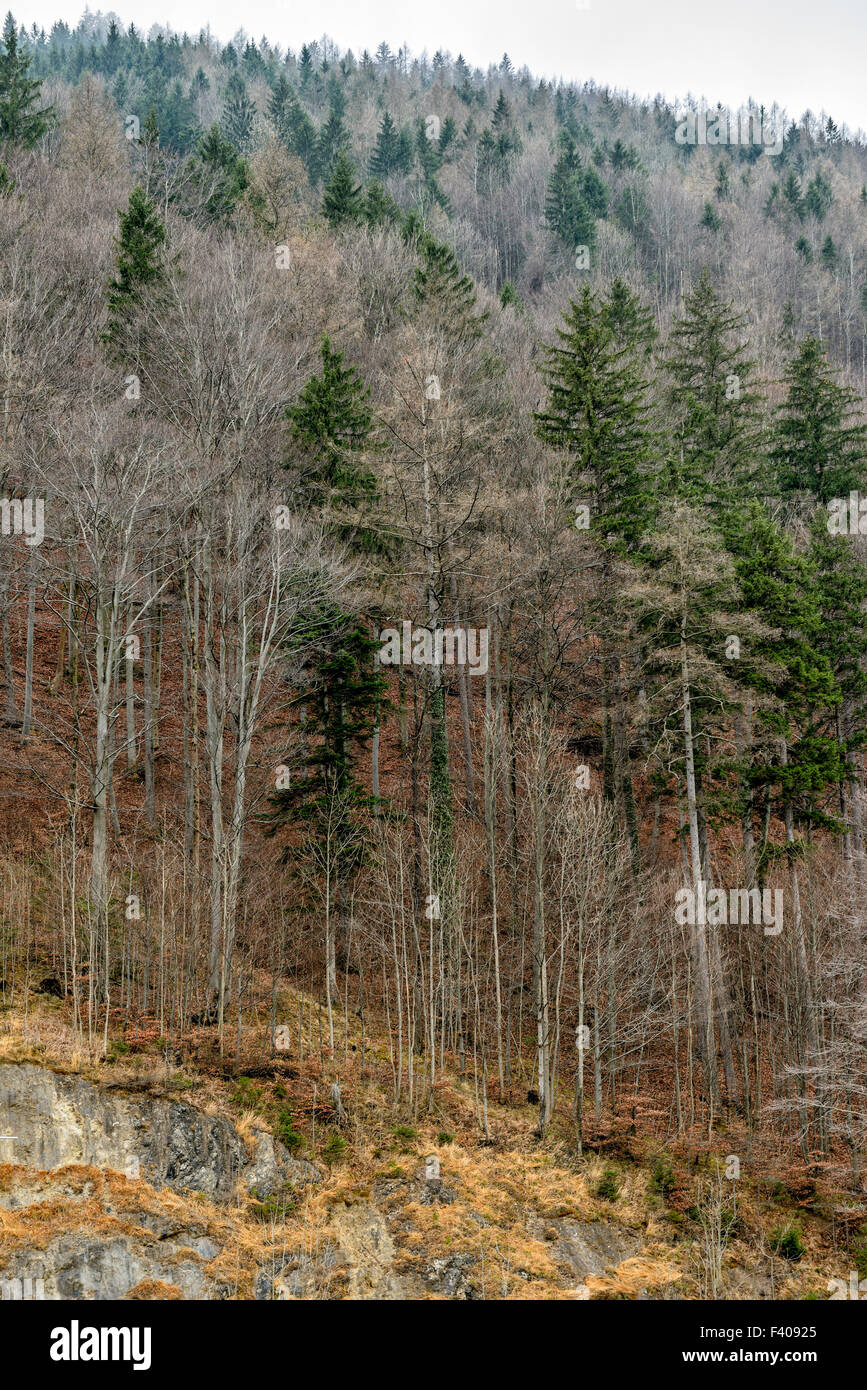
x=433, y=647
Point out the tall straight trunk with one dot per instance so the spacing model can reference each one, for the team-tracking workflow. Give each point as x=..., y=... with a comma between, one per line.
x=6, y=637
x=464, y=693
x=743, y=731
x=148, y=693
x=492, y=734
x=540, y=961
x=799, y=939
x=215, y=676
x=28, y=659
x=99, y=782
x=129, y=694
x=699, y=953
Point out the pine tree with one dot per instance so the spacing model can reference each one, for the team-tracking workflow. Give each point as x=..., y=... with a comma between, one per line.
x=22, y=121
x=239, y=113
x=598, y=416
x=817, y=449
x=220, y=173
x=342, y=203
x=788, y=664
x=791, y=191
x=278, y=103
x=342, y=693
x=819, y=197
x=331, y=142
x=710, y=218
x=441, y=287
x=139, y=266
x=386, y=157
x=717, y=432
x=631, y=321
x=331, y=421
x=597, y=413
x=567, y=211
x=293, y=125
x=595, y=193
x=840, y=586
x=722, y=186
x=800, y=755
x=380, y=209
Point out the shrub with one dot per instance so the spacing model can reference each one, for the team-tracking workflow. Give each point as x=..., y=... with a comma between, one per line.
x=662, y=1178
x=246, y=1096
x=287, y=1132
x=786, y=1241
x=335, y=1147
x=609, y=1185
x=405, y=1132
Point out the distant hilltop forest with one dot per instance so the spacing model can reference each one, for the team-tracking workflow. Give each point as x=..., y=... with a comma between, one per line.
x=515, y=172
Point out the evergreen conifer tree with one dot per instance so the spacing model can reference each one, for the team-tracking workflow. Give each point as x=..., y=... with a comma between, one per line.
x=22, y=120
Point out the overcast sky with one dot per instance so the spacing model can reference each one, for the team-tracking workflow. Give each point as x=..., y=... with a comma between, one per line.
x=801, y=53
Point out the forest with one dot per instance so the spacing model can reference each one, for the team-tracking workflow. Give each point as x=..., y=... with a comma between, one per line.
x=433, y=586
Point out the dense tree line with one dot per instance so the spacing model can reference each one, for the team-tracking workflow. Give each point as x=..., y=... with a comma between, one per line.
x=290, y=369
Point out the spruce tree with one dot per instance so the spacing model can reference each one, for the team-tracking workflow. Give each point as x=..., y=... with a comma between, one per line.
x=380, y=209
x=293, y=125
x=598, y=415
x=841, y=597
x=440, y=285
x=239, y=113
x=22, y=120
x=219, y=172
x=332, y=423
x=567, y=211
x=342, y=201
x=331, y=142
x=716, y=423
x=386, y=156
x=630, y=320
x=818, y=448
x=139, y=267
x=788, y=666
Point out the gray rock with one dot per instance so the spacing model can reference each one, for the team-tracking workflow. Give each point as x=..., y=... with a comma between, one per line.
x=59, y=1120
x=274, y=1168
x=450, y=1276
x=79, y=1267
x=585, y=1247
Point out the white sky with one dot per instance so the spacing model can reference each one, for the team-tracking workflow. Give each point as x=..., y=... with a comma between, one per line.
x=800, y=53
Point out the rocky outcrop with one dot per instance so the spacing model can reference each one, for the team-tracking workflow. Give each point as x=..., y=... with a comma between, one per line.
x=57, y=1120
x=585, y=1247
x=64, y=1127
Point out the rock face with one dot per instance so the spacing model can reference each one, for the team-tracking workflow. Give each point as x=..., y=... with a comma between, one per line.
x=66, y=1123
x=100, y=1269
x=58, y=1120
x=585, y=1247
x=273, y=1168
